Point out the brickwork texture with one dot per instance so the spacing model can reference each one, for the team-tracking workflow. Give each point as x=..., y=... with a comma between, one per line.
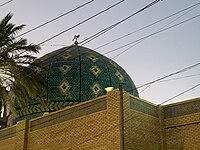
x=100, y=124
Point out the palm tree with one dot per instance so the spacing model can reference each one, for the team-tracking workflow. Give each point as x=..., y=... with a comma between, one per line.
x=18, y=81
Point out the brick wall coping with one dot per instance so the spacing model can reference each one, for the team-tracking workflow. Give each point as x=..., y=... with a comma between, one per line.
x=182, y=102
x=140, y=99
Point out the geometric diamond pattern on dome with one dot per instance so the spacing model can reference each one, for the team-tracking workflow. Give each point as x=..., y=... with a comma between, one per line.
x=66, y=56
x=64, y=87
x=114, y=64
x=96, y=88
x=92, y=58
x=65, y=68
x=95, y=70
x=119, y=75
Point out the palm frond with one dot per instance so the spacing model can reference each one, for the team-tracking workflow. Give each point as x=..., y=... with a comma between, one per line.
x=17, y=69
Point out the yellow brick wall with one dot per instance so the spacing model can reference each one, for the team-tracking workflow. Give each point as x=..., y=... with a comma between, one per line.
x=95, y=125
x=141, y=131
x=99, y=130
x=8, y=144
x=182, y=125
x=84, y=132
x=183, y=130
x=8, y=138
x=88, y=126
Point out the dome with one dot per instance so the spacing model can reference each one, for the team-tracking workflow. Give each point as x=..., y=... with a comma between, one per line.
x=75, y=74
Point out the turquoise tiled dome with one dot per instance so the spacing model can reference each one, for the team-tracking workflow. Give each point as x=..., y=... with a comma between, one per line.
x=76, y=74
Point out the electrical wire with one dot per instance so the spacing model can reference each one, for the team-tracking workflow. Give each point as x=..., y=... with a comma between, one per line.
x=149, y=5
x=5, y=3
x=189, y=76
x=149, y=25
x=104, y=30
x=80, y=23
x=56, y=18
x=133, y=32
x=197, y=85
x=164, y=77
x=152, y=34
x=178, y=78
x=149, y=36
x=89, y=39
x=158, y=30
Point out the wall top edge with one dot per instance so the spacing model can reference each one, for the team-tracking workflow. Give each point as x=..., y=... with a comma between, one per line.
x=182, y=102
x=143, y=100
x=8, y=128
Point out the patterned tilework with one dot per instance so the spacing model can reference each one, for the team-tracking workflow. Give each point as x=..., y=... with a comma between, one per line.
x=95, y=70
x=77, y=74
x=64, y=87
x=69, y=114
x=120, y=76
x=182, y=109
x=65, y=68
x=141, y=106
x=48, y=107
x=96, y=88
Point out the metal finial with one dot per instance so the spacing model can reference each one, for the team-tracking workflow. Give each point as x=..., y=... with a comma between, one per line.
x=75, y=38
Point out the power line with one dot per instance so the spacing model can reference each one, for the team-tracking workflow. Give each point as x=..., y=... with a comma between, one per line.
x=158, y=30
x=116, y=24
x=153, y=34
x=178, y=78
x=169, y=75
x=149, y=25
x=78, y=24
x=112, y=26
x=5, y=3
x=180, y=94
x=149, y=5
x=189, y=76
x=148, y=35
x=56, y=18
x=108, y=28
x=191, y=6
x=81, y=22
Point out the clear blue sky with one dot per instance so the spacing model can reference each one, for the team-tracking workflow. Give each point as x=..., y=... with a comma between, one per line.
x=153, y=58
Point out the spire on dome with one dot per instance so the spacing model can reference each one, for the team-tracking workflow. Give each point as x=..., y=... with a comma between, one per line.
x=75, y=39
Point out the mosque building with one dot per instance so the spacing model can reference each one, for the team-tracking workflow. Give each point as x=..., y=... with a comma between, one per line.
x=93, y=104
